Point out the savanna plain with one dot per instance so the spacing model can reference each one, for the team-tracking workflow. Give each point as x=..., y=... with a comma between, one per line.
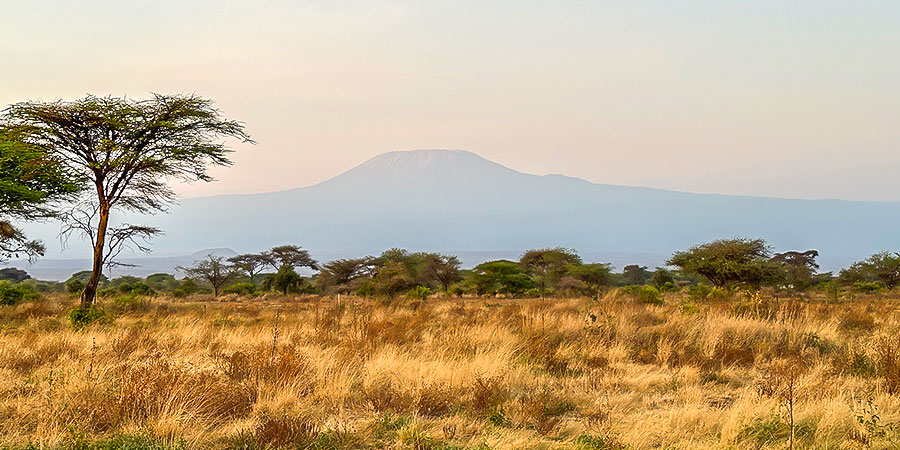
x=751, y=370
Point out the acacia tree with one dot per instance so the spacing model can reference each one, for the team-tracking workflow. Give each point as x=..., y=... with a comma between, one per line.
x=289, y=255
x=213, y=270
x=883, y=266
x=250, y=263
x=728, y=261
x=31, y=185
x=127, y=151
x=548, y=265
x=443, y=269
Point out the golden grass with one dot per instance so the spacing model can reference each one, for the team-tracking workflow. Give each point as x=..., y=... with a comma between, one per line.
x=448, y=373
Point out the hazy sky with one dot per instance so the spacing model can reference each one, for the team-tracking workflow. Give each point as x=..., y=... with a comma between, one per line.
x=765, y=97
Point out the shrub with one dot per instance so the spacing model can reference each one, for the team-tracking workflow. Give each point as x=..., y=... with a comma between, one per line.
x=107, y=292
x=139, y=441
x=589, y=442
x=241, y=289
x=10, y=293
x=188, y=287
x=644, y=294
x=419, y=293
x=136, y=288
x=74, y=286
x=131, y=302
x=699, y=292
x=868, y=287
x=81, y=317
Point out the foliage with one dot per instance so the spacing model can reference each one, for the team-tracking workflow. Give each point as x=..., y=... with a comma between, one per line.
x=419, y=293
x=287, y=255
x=635, y=274
x=728, y=262
x=136, y=288
x=345, y=275
x=868, y=287
x=214, y=270
x=74, y=286
x=11, y=293
x=241, y=289
x=798, y=269
x=251, y=263
x=13, y=274
x=645, y=294
x=82, y=317
x=662, y=277
x=163, y=282
x=186, y=288
x=285, y=280
x=32, y=183
x=883, y=267
x=127, y=151
x=500, y=277
x=547, y=266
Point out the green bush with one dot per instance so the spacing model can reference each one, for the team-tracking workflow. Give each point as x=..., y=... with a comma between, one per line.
x=241, y=289
x=136, y=288
x=699, y=292
x=131, y=302
x=644, y=294
x=11, y=293
x=81, y=317
x=75, y=286
x=868, y=287
x=187, y=287
x=419, y=293
x=589, y=442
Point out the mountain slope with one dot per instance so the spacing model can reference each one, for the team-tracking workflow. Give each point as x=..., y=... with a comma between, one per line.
x=457, y=201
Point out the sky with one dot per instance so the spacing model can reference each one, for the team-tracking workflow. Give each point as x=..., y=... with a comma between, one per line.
x=793, y=99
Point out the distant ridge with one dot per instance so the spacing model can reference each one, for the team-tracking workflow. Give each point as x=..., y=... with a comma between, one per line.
x=458, y=202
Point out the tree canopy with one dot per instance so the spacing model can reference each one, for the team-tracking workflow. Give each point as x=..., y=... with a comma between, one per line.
x=883, y=267
x=31, y=185
x=727, y=262
x=127, y=151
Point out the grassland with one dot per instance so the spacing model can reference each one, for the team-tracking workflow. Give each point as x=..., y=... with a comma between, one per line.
x=322, y=373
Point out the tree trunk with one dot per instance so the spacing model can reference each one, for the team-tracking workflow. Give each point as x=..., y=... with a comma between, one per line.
x=90, y=289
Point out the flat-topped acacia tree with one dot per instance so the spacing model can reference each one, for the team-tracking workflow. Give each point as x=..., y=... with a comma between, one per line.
x=126, y=151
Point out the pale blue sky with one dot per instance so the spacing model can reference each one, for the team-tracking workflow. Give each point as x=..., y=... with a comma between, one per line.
x=793, y=99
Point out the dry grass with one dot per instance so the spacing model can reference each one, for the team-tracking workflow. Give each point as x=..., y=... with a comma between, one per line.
x=454, y=374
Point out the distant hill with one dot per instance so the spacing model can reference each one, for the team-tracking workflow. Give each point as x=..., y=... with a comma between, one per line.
x=458, y=202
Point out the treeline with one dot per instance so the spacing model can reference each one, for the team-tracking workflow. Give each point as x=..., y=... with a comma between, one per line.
x=706, y=269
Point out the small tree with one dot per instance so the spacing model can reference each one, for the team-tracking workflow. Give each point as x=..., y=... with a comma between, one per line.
x=594, y=276
x=213, y=270
x=442, y=269
x=13, y=274
x=635, y=274
x=285, y=279
x=500, y=277
x=661, y=277
x=289, y=255
x=250, y=263
x=884, y=267
x=126, y=151
x=798, y=269
x=344, y=275
x=728, y=261
x=548, y=265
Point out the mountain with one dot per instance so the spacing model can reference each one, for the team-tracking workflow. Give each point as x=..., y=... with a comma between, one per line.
x=458, y=202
